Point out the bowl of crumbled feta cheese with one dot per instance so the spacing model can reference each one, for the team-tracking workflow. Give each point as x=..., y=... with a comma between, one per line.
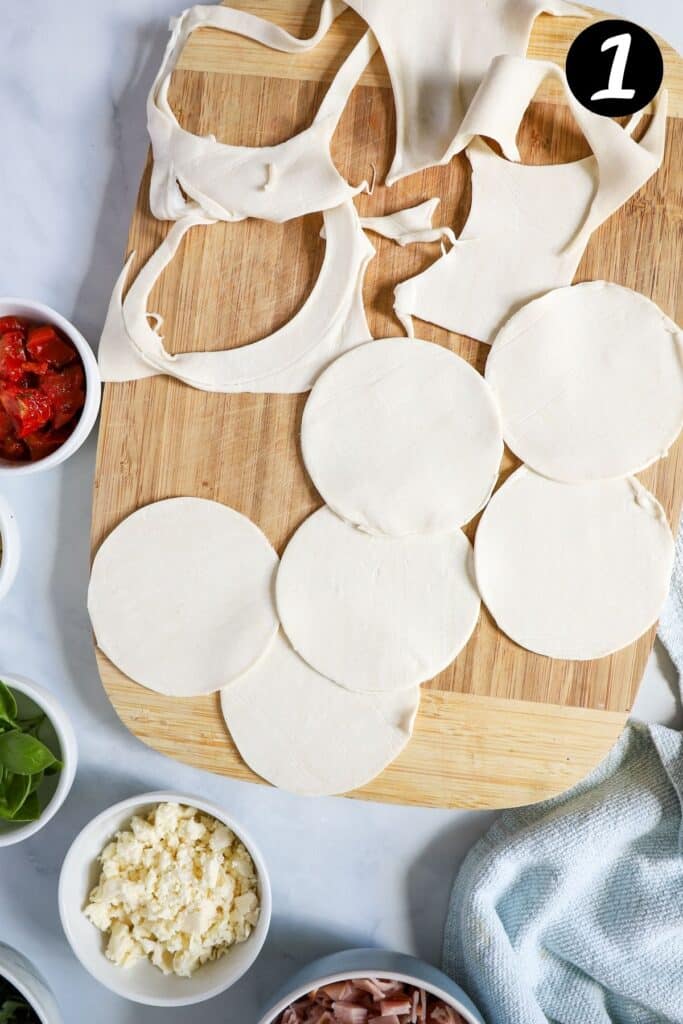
x=164, y=899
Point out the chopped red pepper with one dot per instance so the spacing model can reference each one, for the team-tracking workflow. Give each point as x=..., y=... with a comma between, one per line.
x=39, y=369
x=10, y=446
x=45, y=442
x=12, y=449
x=28, y=408
x=42, y=389
x=65, y=390
x=46, y=345
x=11, y=323
x=12, y=356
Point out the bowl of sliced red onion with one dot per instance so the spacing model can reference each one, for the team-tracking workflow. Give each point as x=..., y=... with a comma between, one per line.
x=362, y=986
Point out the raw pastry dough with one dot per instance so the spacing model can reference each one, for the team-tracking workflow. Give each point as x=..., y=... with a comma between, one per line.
x=589, y=381
x=233, y=182
x=437, y=54
x=307, y=735
x=331, y=322
x=410, y=225
x=573, y=571
x=528, y=225
x=181, y=596
x=376, y=613
x=402, y=437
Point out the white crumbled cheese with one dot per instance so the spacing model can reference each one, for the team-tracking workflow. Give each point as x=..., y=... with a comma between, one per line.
x=176, y=887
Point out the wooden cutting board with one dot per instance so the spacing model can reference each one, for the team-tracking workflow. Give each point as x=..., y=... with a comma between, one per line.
x=501, y=726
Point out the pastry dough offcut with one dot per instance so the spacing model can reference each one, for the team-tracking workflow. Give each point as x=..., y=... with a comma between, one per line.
x=331, y=321
x=376, y=613
x=589, y=381
x=410, y=225
x=181, y=596
x=573, y=571
x=229, y=182
x=437, y=54
x=305, y=734
x=402, y=437
x=528, y=224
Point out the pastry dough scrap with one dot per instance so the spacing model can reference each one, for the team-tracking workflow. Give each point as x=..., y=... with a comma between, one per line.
x=589, y=380
x=528, y=225
x=305, y=734
x=376, y=613
x=229, y=182
x=411, y=225
x=402, y=437
x=436, y=56
x=181, y=596
x=331, y=321
x=573, y=571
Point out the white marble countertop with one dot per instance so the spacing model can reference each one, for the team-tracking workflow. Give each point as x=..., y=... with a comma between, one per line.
x=73, y=79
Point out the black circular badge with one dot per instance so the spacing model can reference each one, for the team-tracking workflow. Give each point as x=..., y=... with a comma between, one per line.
x=614, y=68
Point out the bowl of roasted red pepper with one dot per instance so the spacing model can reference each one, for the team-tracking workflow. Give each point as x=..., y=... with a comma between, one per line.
x=49, y=387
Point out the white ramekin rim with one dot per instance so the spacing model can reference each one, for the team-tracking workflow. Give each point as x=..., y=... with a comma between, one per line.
x=18, y=970
x=93, y=386
x=330, y=979
x=11, y=547
x=127, y=809
x=69, y=755
x=350, y=964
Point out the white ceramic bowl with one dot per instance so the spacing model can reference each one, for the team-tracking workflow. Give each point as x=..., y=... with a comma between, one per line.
x=38, y=312
x=61, y=740
x=373, y=963
x=21, y=973
x=145, y=983
x=9, y=535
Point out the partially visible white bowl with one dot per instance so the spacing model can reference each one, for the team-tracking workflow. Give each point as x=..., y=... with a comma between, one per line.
x=21, y=973
x=39, y=312
x=55, y=788
x=352, y=964
x=11, y=546
x=144, y=983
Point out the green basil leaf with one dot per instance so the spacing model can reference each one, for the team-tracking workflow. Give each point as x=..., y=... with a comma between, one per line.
x=10, y=1010
x=17, y=789
x=30, y=809
x=13, y=793
x=54, y=769
x=8, y=705
x=32, y=725
x=36, y=781
x=24, y=755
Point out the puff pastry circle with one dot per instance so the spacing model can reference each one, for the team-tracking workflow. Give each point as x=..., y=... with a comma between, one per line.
x=305, y=734
x=181, y=596
x=573, y=571
x=589, y=381
x=402, y=437
x=376, y=613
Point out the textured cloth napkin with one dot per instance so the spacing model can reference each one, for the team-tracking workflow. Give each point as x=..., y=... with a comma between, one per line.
x=571, y=911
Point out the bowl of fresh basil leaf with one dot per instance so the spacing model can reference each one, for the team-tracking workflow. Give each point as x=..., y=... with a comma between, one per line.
x=25, y=997
x=38, y=756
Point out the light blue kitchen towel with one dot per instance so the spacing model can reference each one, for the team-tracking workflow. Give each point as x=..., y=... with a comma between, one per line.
x=571, y=911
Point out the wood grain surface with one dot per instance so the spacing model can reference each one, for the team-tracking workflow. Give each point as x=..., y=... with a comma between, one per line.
x=501, y=726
